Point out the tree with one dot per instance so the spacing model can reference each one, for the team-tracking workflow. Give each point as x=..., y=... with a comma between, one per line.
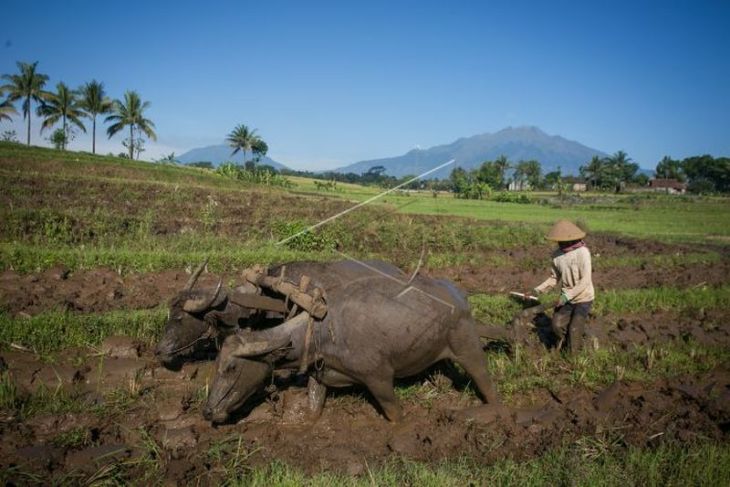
x=6, y=109
x=491, y=173
x=28, y=86
x=593, y=172
x=244, y=139
x=61, y=105
x=707, y=173
x=554, y=181
x=259, y=148
x=669, y=168
x=502, y=164
x=59, y=139
x=94, y=102
x=621, y=169
x=130, y=112
x=530, y=172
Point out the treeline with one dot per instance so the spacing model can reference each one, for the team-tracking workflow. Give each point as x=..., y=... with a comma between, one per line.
x=65, y=108
x=615, y=173
x=704, y=174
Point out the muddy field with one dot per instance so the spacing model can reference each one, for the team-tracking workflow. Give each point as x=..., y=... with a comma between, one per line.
x=108, y=413
x=125, y=412
x=102, y=289
x=160, y=408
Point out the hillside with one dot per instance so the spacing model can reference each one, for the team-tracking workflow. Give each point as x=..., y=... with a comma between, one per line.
x=520, y=143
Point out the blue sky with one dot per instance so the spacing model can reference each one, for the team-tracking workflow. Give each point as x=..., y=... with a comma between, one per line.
x=331, y=83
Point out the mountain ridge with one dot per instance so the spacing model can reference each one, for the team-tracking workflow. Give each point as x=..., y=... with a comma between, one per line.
x=516, y=143
x=220, y=153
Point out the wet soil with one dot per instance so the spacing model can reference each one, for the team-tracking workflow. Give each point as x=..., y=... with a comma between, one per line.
x=504, y=279
x=103, y=289
x=162, y=421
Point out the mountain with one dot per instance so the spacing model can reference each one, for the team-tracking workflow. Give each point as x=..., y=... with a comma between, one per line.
x=519, y=143
x=218, y=154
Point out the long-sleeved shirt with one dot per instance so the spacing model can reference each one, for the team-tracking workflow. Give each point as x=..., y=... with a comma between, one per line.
x=573, y=270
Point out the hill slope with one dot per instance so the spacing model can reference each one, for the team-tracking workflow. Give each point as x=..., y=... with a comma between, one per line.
x=520, y=143
x=218, y=154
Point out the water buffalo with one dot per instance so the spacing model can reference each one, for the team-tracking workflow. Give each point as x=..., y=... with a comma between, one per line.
x=198, y=315
x=377, y=328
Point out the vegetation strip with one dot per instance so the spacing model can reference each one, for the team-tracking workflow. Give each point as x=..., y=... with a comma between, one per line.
x=587, y=461
x=500, y=309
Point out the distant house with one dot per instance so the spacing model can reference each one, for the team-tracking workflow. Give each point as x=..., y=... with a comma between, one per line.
x=580, y=187
x=671, y=186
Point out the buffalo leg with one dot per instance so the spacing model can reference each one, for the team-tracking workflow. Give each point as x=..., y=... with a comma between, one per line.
x=382, y=390
x=316, y=393
x=468, y=354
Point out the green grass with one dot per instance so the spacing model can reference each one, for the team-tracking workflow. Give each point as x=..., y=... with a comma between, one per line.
x=668, y=218
x=54, y=331
x=583, y=462
x=31, y=258
x=491, y=308
x=596, y=369
x=650, y=216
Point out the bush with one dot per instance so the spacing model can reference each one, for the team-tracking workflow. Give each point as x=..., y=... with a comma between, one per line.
x=255, y=176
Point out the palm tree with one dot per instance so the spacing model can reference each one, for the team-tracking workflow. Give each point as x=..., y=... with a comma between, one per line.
x=94, y=102
x=28, y=86
x=244, y=139
x=594, y=171
x=130, y=112
x=61, y=105
x=7, y=109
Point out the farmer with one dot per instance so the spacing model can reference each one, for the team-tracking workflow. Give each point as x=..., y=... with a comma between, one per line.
x=572, y=268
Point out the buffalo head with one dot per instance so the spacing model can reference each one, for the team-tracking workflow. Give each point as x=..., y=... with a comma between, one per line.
x=187, y=331
x=244, y=363
x=236, y=379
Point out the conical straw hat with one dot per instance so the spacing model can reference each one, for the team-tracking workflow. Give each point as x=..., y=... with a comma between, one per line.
x=565, y=231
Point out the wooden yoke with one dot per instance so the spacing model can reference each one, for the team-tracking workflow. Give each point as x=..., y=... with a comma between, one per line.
x=315, y=306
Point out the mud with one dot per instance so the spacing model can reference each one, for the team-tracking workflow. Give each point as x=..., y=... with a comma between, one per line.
x=160, y=421
x=504, y=279
x=706, y=328
x=101, y=289
x=90, y=291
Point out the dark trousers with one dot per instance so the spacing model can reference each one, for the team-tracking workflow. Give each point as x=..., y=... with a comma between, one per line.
x=569, y=324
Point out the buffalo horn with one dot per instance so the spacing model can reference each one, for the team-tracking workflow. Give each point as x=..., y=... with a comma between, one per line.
x=195, y=275
x=200, y=304
x=252, y=349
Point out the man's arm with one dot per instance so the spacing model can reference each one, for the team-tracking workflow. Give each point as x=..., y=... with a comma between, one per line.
x=549, y=283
